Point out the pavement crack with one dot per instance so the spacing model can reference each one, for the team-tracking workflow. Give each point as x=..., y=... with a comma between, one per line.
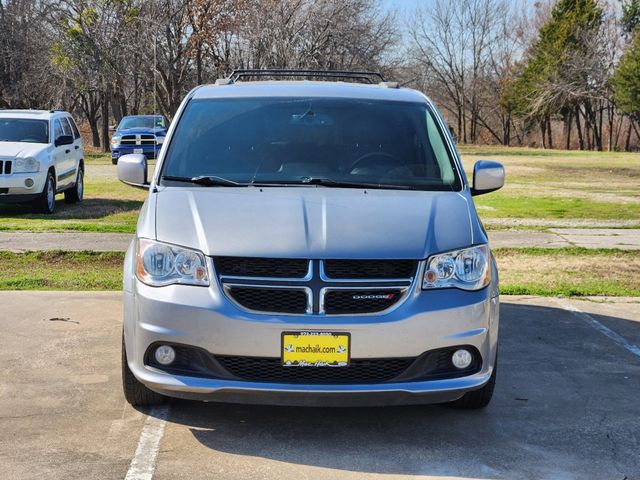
x=64, y=319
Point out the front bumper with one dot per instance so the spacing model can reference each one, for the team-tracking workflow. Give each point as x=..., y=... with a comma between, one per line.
x=204, y=318
x=149, y=151
x=13, y=188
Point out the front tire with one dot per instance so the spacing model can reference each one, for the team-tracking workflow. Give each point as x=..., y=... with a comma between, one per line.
x=480, y=398
x=46, y=202
x=76, y=193
x=135, y=392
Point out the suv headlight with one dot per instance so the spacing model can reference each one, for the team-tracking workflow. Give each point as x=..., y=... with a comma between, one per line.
x=26, y=165
x=160, y=264
x=115, y=141
x=467, y=269
x=159, y=140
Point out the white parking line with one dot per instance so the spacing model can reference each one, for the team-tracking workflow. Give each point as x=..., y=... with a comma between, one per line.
x=143, y=464
x=623, y=342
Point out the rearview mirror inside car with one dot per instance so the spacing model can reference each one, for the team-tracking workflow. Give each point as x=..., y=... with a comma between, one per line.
x=488, y=176
x=132, y=170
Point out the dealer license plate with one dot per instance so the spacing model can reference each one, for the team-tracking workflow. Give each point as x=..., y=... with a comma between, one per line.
x=138, y=150
x=315, y=349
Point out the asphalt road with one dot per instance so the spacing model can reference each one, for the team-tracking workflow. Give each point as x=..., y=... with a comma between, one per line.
x=566, y=407
x=623, y=239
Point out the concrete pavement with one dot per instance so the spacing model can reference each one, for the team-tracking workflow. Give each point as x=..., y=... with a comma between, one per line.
x=625, y=239
x=566, y=406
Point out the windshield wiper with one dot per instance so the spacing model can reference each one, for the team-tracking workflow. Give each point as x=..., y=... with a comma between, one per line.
x=328, y=182
x=207, y=180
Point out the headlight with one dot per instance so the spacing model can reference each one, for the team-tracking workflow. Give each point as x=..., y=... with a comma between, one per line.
x=26, y=165
x=115, y=141
x=159, y=140
x=467, y=269
x=160, y=264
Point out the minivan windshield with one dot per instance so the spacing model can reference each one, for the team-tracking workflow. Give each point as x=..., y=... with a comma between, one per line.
x=322, y=141
x=128, y=123
x=24, y=130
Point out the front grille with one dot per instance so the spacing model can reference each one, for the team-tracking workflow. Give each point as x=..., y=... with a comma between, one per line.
x=369, y=269
x=133, y=140
x=260, y=369
x=338, y=302
x=5, y=167
x=262, y=267
x=265, y=299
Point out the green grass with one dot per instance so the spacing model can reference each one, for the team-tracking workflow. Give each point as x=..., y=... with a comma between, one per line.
x=510, y=205
x=61, y=271
x=552, y=187
x=571, y=271
x=109, y=205
x=527, y=271
x=560, y=185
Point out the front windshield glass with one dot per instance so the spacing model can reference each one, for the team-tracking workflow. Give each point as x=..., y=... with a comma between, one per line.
x=349, y=141
x=141, y=122
x=24, y=130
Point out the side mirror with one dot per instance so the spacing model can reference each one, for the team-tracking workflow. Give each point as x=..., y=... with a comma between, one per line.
x=132, y=170
x=113, y=128
x=488, y=176
x=64, y=140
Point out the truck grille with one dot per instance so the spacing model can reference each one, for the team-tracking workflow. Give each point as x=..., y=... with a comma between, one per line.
x=5, y=167
x=144, y=139
x=320, y=287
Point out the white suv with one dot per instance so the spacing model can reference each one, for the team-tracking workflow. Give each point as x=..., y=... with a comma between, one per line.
x=41, y=155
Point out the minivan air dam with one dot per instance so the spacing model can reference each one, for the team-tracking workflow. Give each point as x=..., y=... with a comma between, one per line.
x=309, y=240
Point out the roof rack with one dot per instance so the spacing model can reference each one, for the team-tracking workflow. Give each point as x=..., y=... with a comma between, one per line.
x=367, y=77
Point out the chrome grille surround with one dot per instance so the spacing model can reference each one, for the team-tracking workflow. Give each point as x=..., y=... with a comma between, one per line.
x=318, y=287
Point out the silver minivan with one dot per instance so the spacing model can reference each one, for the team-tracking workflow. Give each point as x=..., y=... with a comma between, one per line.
x=310, y=243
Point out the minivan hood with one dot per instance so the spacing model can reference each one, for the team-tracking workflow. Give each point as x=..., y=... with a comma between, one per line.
x=314, y=222
x=21, y=149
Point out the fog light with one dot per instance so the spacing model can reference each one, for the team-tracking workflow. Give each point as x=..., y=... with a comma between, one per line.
x=461, y=358
x=165, y=355
x=28, y=182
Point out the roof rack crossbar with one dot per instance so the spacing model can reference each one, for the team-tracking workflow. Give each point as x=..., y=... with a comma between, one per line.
x=368, y=77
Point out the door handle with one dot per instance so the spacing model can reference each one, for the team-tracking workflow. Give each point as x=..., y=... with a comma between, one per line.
x=67, y=151
x=76, y=147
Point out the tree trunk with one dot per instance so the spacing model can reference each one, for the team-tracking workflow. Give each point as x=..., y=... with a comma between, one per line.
x=543, y=131
x=627, y=141
x=105, y=121
x=549, y=132
x=579, y=128
x=567, y=126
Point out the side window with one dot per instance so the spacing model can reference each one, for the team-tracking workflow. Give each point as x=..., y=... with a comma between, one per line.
x=66, y=128
x=440, y=150
x=76, y=133
x=57, y=129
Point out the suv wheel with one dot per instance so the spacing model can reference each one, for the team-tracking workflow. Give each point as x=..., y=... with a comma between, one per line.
x=75, y=194
x=46, y=202
x=134, y=391
x=478, y=398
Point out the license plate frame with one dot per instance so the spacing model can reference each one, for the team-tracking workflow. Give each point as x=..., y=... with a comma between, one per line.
x=138, y=150
x=315, y=359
